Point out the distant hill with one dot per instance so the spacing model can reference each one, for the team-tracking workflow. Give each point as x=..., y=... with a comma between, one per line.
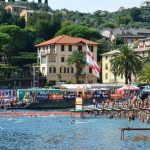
x=133, y=17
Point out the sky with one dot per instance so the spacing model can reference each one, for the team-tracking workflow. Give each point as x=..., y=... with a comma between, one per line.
x=90, y=6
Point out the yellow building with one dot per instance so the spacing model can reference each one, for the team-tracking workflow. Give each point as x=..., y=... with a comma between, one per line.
x=53, y=54
x=143, y=45
x=22, y=12
x=14, y=9
x=27, y=14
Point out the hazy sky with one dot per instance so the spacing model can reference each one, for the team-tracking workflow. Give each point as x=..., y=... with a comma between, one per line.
x=93, y=5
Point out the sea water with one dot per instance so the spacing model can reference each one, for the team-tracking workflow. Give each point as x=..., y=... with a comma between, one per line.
x=66, y=133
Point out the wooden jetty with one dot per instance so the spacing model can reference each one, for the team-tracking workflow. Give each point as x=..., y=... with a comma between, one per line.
x=132, y=129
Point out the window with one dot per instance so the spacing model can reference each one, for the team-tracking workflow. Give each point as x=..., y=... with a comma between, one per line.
x=90, y=82
x=43, y=70
x=38, y=60
x=15, y=9
x=60, y=70
x=72, y=70
x=91, y=48
x=62, y=47
x=52, y=58
x=106, y=75
x=50, y=70
x=106, y=57
x=64, y=69
x=143, y=43
x=62, y=59
x=68, y=70
x=54, y=69
x=80, y=48
x=43, y=59
x=52, y=49
x=70, y=48
x=90, y=70
x=143, y=54
x=106, y=66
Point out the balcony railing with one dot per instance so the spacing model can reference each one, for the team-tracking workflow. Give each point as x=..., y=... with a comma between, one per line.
x=48, y=52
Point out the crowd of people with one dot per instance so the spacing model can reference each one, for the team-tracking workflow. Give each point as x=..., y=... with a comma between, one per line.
x=131, y=107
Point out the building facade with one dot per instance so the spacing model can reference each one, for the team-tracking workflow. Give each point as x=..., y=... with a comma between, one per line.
x=14, y=9
x=128, y=35
x=142, y=48
x=146, y=4
x=52, y=56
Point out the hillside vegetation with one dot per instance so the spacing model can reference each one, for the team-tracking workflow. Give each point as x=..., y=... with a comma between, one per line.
x=17, y=40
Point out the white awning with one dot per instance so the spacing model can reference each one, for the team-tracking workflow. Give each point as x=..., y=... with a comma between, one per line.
x=74, y=87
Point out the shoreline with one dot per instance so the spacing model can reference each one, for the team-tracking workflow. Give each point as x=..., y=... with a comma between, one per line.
x=138, y=114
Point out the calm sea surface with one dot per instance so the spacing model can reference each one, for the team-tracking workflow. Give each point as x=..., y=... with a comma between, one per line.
x=61, y=133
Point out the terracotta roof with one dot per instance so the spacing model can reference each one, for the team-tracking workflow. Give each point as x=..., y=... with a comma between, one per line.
x=64, y=39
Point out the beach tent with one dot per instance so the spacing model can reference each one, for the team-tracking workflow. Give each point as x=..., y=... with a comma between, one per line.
x=127, y=87
x=74, y=87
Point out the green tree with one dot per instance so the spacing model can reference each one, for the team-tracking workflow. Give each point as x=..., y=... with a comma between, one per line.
x=144, y=76
x=79, y=31
x=4, y=39
x=7, y=53
x=31, y=36
x=19, y=21
x=6, y=47
x=135, y=14
x=17, y=35
x=78, y=60
x=38, y=16
x=126, y=62
x=46, y=29
x=117, y=42
x=124, y=20
x=5, y=18
x=103, y=47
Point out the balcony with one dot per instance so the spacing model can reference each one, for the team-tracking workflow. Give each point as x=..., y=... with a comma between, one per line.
x=47, y=52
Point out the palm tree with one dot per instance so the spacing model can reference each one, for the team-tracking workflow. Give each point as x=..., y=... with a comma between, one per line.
x=126, y=62
x=78, y=60
x=144, y=76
